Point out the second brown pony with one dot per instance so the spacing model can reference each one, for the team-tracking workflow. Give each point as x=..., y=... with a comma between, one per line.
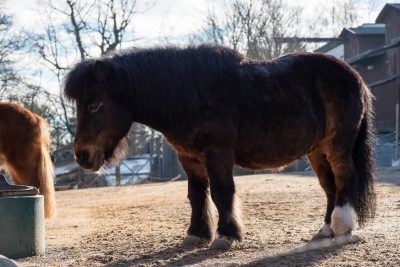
x=25, y=146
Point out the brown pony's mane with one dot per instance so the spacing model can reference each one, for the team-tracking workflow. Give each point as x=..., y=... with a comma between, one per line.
x=185, y=77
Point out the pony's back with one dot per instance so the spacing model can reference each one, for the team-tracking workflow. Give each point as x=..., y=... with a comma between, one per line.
x=25, y=145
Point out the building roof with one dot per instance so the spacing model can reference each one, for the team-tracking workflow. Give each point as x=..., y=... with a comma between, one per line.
x=378, y=51
x=366, y=28
x=328, y=46
x=385, y=9
x=370, y=53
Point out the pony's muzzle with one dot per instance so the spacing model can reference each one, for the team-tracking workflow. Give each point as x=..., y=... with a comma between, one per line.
x=82, y=157
x=89, y=158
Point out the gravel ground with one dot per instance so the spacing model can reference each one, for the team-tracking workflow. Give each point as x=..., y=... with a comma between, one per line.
x=143, y=225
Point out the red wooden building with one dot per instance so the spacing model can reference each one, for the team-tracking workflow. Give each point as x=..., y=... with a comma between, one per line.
x=390, y=16
x=387, y=88
x=373, y=49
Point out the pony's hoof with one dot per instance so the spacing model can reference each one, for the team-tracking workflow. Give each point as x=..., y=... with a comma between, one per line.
x=324, y=232
x=341, y=229
x=344, y=239
x=193, y=241
x=222, y=243
x=343, y=220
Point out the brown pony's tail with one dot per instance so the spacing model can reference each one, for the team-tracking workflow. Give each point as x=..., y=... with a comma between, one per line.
x=45, y=171
x=364, y=197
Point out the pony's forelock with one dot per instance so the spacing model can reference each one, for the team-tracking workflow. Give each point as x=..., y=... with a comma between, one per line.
x=76, y=80
x=152, y=78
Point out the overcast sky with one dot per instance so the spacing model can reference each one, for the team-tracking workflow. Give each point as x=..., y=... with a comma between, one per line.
x=174, y=18
x=167, y=18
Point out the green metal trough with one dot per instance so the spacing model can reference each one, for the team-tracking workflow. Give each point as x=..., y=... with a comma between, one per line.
x=22, y=228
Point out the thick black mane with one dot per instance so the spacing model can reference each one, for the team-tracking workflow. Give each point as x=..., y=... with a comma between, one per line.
x=171, y=82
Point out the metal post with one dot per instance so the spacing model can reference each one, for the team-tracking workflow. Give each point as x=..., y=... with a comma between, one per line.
x=397, y=130
x=151, y=152
x=81, y=177
x=159, y=162
x=397, y=119
x=118, y=175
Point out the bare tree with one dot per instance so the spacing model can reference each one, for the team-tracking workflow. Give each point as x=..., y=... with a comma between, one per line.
x=8, y=44
x=111, y=23
x=75, y=30
x=13, y=87
x=253, y=27
x=331, y=17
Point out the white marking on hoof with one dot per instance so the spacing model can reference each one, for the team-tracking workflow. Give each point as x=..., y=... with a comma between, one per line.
x=344, y=239
x=222, y=243
x=193, y=241
x=343, y=220
x=324, y=232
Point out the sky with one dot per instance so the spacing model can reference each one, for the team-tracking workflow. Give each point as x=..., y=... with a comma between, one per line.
x=167, y=20
x=171, y=18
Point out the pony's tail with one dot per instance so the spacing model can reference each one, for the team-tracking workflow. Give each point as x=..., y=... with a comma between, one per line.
x=364, y=197
x=45, y=172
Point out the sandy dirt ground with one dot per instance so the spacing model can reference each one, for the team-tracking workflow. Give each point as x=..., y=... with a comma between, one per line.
x=143, y=225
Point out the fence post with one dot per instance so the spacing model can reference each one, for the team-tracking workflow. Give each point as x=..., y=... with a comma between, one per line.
x=397, y=130
x=159, y=162
x=397, y=118
x=118, y=175
x=81, y=177
x=151, y=152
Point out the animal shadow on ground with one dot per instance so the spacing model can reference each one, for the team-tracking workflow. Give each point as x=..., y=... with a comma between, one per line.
x=307, y=254
x=173, y=256
x=304, y=255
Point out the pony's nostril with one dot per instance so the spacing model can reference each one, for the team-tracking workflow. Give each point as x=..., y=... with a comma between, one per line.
x=82, y=156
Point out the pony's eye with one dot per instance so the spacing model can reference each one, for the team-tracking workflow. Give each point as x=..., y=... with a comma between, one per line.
x=92, y=108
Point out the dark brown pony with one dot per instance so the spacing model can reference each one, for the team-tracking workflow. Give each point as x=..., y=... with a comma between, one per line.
x=25, y=146
x=219, y=108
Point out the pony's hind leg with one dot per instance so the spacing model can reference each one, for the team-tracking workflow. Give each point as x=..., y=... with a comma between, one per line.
x=219, y=164
x=201, y=223
x=327, y=181
x=343, y=219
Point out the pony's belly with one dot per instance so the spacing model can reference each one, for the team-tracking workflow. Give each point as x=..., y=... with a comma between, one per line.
x=263, y=147
x=266, y=163
x=271, y=154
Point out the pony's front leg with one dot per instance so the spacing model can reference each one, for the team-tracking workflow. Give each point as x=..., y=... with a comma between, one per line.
x=219, y=164
x=201, y=223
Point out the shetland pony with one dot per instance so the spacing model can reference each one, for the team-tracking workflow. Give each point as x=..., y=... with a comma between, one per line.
x=219, y=109
x=25, y=146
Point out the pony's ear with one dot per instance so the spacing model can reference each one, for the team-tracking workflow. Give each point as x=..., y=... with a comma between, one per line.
x=100, y=71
